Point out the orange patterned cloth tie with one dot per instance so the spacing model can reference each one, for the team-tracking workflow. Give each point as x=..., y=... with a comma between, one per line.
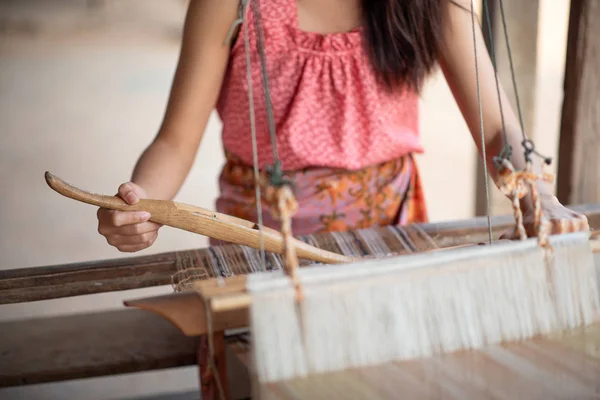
x=329, y=200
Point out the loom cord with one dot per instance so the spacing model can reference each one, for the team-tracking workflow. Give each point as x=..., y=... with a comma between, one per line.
x=277, y=174
x=211, y=351
x=528, y=145
x=483, y=149
x=257, y=188
x=506, y=150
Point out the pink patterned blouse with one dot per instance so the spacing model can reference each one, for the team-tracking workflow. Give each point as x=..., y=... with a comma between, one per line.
x=329, y=110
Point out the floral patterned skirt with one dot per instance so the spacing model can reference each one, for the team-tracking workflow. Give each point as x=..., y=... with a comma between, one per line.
x=332, y=199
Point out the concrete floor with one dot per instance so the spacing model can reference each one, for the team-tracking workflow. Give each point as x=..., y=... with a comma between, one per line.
x=82, y=92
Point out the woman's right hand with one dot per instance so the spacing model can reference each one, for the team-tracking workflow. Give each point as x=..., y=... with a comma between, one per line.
x=128, y=231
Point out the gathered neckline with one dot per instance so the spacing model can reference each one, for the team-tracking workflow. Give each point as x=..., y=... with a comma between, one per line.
x=325, y=42
x=336, y=41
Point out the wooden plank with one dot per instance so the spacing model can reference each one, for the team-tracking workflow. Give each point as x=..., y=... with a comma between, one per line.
x=579, y=150
x=187, y=311
x=209, y=380
x=551, y=368
x=90, y=345
x=51, y=282
x=522, y=27
x=76, y=279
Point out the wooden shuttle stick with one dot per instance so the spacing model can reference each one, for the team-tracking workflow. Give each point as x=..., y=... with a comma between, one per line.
x=199, y=220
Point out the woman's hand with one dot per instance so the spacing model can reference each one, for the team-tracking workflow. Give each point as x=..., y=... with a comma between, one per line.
x=561, y=219
x=128, y=231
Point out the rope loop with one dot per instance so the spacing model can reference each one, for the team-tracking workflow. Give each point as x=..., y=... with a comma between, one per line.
x=277, y=178
x=529, y=149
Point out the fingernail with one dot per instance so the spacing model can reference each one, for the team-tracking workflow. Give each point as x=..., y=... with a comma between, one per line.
x=131, y=198
x=145, y=215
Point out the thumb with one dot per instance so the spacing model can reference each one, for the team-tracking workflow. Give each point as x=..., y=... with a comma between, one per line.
x=131, y=193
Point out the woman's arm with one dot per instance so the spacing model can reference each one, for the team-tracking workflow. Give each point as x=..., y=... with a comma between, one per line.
x=458, y=64
x=164, y=165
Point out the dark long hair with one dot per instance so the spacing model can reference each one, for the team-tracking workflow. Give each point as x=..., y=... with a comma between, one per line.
x=403, y=38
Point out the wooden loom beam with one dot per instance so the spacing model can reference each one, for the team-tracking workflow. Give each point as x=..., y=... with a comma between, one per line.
x=77, y=279
x=50, y=349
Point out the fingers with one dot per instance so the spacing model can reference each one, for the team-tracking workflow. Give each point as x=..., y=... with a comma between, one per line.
x=131, y=238
x=128, y=231
x=582, y=223
x=568, y=222
x=133, y=248
x=137, y=229
x=127, y=242
x=131, y=193
x=110, y=219
x=559, y=224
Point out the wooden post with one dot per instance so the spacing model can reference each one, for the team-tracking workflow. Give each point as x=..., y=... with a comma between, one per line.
x=208, y=381
x=579, y=150
x=522, y=27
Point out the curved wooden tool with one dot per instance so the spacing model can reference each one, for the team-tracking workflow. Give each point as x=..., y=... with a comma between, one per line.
x=199, y=220
x=187, y=312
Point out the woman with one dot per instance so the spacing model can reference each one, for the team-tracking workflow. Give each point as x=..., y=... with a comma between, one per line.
x=345, y=77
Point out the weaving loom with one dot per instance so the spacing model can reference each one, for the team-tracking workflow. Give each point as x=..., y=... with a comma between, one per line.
x=202, y=289
x=320, y=332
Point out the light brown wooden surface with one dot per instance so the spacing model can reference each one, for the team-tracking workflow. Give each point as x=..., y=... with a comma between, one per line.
x=76, y=279
x=579, y=150
x=90, y=345
x=563, y=367
x=186, y=311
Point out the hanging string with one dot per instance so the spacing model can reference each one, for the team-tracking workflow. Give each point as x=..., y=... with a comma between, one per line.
x=506, y=152
x=211, y=352
x=512, y=69
x=481, y=127
x=277, y=179
x=528, y=145
x=257, y=185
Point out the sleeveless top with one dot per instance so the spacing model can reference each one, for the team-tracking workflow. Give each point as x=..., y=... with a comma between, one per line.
x=328, y=107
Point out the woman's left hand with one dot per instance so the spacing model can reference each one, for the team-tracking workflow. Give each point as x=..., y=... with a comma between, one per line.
x=561, y=219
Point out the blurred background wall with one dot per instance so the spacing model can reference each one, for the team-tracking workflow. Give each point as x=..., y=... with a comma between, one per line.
x=83, y=86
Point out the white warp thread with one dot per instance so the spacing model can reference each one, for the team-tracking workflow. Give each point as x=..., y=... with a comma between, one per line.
x=419, y=305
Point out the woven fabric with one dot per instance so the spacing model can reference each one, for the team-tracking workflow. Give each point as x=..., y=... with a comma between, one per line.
x=332, y=199
x=229, y=260
x=329, y=108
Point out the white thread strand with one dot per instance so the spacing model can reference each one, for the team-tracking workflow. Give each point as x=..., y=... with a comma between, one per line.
x=259, y=215
x=483, y=144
